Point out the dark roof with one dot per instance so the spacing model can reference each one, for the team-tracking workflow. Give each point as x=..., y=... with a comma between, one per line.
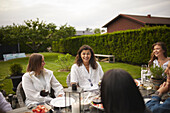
x=145, y=20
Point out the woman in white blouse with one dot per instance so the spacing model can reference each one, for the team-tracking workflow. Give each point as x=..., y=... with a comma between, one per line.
x=86, y=72
x=38, y=81
x=159, y=55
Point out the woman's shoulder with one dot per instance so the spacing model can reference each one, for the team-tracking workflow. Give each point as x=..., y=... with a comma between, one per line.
x=97, y=63
x=47, y=70
x=75, y=66
x=168, y=60
x=27, y=74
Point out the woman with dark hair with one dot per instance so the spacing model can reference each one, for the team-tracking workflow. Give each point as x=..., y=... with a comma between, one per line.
x=159, y=55
x=119, y=93
x=38, y=81
x=86, y=72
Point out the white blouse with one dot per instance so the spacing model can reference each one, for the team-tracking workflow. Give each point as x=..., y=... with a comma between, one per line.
x=86, y=80
x=156, y=63
x=32, y=86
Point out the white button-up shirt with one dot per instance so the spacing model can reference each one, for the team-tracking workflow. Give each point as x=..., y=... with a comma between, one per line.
x=86, y=80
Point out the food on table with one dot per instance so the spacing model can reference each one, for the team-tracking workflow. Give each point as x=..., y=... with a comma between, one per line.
x=100, y=106
x=40, y=109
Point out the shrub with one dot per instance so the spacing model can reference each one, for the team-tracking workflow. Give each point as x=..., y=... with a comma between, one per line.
x=16, y=69
x=64, y=62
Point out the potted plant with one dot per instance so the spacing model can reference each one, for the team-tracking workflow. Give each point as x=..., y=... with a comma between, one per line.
x=157, y=77
x=16, y=74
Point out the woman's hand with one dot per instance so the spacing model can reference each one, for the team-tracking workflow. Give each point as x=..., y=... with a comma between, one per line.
x=164, y=88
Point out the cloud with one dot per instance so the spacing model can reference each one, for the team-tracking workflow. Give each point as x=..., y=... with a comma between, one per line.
x=81, y=14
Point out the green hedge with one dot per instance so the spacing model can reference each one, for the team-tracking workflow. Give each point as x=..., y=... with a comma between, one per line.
x=131, y=46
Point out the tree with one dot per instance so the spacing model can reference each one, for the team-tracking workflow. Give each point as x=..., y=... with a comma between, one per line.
x=36, y=33
x=97, y=31
x=64, y=32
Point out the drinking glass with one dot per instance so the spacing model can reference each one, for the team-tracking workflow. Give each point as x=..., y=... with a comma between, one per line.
x=145, y=78
x=148, y=86
x=143, y=72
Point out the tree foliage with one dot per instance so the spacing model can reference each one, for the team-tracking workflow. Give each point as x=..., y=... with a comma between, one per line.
x=64, y=32
x=34, y=33
x=97, y=31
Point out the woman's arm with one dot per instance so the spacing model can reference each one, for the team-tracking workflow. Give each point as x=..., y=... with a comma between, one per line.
x=74, y=74
x=4, y=105
x=154, y=104
x=101, y=73
x=57, y=87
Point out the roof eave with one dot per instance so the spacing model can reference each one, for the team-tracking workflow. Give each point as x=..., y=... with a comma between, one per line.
x=126, y=16
x=111, y=21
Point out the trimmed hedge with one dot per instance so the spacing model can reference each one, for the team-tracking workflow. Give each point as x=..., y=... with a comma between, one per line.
x=130, y=46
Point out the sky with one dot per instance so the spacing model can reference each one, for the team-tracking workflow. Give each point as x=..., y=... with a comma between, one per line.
x=80, y=14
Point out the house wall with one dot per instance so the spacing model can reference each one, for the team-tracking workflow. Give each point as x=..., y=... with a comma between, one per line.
x=123, y=24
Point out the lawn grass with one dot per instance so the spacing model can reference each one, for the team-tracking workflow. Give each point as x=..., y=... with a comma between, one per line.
x=52, y=65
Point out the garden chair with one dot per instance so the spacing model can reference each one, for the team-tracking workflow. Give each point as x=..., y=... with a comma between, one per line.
x=20, y=95
x=68, y=80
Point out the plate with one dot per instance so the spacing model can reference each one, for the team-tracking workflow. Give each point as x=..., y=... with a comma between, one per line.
x=60, y=102
x=98, y=106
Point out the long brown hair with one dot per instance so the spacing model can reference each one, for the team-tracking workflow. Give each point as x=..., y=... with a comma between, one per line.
x=35, y=63
x=153, y=57
x=79, y=60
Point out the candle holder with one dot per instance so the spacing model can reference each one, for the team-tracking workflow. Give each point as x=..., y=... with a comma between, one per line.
x=68, y=91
